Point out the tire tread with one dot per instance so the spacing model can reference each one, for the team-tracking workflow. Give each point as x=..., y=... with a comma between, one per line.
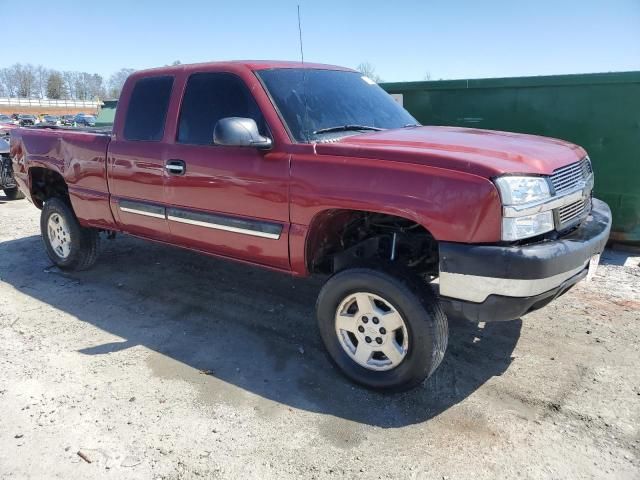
x=88, y=241
x=411, y=286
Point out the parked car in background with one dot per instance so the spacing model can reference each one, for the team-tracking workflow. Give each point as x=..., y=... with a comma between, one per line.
x=67, y=119
x=84, y=120
x=50, y=120
x=6, y=125
x=7, y=182
x=314, y=169
x=26, y=120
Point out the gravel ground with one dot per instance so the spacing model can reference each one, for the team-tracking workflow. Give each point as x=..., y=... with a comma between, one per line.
x=160, y=363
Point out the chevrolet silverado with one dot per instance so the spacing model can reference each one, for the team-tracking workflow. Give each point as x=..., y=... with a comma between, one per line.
x=313, y=169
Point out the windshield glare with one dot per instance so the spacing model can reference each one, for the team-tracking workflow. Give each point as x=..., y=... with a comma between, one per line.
x=333, y=98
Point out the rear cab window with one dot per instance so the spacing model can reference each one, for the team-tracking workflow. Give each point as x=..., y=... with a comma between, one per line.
x=147, y=109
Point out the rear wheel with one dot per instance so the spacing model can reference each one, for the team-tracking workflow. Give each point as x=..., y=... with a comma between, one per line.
x=383, y=330
x=69, y=245
x=13, y=193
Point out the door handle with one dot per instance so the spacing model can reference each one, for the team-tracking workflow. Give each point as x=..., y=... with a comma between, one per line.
x=175, y=167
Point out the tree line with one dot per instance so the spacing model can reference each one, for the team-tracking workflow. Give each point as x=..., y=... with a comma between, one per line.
x=36, y=81
x=29, y=81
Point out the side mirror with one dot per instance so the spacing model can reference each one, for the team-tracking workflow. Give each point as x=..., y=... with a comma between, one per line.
x=239, y=132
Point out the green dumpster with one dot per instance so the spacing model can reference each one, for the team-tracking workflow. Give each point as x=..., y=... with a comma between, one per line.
x=107, y=113
x=599, y=111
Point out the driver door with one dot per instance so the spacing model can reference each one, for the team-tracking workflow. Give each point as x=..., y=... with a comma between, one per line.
x=226, y=200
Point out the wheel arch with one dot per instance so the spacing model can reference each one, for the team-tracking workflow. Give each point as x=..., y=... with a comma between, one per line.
x=45, y=183
x=326, y=233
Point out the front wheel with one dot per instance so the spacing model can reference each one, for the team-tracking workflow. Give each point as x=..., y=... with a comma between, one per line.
x=69, y=245
x=383, y=330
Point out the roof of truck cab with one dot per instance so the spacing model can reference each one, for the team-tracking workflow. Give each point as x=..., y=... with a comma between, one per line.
x=249, y=64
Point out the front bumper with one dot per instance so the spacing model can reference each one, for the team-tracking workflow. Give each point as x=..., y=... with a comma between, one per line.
x=486, y=283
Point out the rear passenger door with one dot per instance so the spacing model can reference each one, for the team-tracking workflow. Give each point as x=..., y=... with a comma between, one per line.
x=135, y=159
x=227, y=200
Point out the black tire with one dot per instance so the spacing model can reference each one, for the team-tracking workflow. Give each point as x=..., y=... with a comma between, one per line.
x=13, y=193
x=417, y=304
x=83, y=241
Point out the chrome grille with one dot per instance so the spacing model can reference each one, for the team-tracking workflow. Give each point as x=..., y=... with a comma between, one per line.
x=567, y=178
x=574, y=211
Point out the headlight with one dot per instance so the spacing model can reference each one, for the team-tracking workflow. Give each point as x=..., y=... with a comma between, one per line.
x=518, y=190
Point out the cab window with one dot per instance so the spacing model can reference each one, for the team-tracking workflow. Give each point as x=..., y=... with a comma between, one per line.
x=209, y=97
x=147, y=110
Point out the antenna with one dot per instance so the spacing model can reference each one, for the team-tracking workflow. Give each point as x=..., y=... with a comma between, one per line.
x=300, y=34
x=304, y=81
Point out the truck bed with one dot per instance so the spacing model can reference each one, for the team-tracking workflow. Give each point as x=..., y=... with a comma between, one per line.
x=79, y=156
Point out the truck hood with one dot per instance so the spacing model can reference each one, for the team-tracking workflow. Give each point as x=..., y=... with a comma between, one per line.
x=486, y=153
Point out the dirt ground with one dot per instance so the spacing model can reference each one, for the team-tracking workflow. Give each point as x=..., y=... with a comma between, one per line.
x=162, y=364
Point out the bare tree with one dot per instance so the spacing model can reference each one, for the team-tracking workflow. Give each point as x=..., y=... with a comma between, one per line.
x=55, y=85
x=9, y=81
x=24, y=78
x=96, y=87
x=368, y=70
x=83, y=86
x=41, y=76
x=116, y=81
x=69, y=84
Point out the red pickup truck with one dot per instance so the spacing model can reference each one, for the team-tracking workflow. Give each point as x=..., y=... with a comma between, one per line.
x=314, y=169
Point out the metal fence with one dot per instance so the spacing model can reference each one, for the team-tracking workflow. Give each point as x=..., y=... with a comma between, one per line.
x=45, y=103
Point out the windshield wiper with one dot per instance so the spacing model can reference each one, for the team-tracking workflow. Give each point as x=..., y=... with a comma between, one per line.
x=409, y=125
x=346, y=128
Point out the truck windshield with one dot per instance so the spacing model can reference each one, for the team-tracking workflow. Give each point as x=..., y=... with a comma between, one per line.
x=335, y=101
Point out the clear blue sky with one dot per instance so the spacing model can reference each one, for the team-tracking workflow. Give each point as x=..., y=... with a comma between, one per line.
x=403, y=40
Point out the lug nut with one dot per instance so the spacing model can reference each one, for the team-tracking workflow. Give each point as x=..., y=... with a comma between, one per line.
x=367, y=339
x=378, y=340
x=383, y=330
x=375, y=320
x=365, y=319
x=361, y=329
